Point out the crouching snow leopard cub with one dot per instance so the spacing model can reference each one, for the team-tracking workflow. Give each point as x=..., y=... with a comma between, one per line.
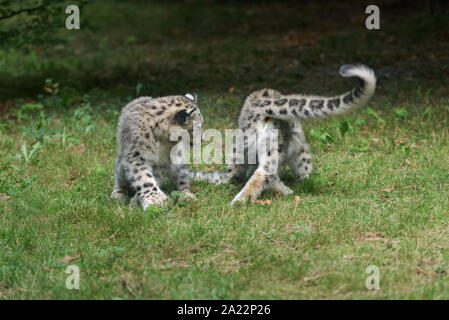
x=143, y=147
x=269, y=109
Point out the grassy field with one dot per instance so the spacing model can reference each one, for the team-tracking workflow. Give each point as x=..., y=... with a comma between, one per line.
x=378, y=196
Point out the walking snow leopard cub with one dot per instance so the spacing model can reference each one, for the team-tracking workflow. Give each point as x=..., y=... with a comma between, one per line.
x=144, y=146
x=269, y=109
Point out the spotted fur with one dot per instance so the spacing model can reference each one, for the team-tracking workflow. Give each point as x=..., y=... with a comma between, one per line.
x=144, y=146
x=269, y=109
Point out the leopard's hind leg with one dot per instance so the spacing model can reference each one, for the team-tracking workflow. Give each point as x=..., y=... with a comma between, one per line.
x=276, y=184
x=298, y=153
x=266, y=174
x=253, y=188
x=120, y=190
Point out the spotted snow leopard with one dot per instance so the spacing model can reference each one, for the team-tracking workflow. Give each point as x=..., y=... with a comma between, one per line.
x=144, y=146
x=269, y=109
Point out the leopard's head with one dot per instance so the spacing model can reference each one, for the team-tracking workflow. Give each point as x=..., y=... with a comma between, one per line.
x=190, y=116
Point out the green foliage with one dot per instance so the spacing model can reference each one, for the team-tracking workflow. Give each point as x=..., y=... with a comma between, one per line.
x=139, y=88
x=12, y=185
x=28, y=22
x=362, y=145
x=373, y=113
x=28, y=154
x=322, y=135
x=343, y=126
x=400, y=112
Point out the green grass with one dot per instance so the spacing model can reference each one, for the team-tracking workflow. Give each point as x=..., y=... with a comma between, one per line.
x=378, y=195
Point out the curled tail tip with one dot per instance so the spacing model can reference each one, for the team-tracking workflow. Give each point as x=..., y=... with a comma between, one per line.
x=345, y=70
x=356, y=70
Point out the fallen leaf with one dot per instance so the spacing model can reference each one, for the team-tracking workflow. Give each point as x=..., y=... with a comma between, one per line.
x=80, y=148
x=70, y=259
x=264, y=202
x=4, y=197
x=313, y=279
x=372, y=237
x=387, y=189
x=420, y=270
x=71, y=181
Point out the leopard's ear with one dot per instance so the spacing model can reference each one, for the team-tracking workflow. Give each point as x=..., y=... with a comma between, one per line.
x=190, y=111
x=191, y=96
x=181, y=116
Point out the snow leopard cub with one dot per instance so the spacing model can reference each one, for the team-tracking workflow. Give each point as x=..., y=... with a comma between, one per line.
x=144, y=146
x=269, y=109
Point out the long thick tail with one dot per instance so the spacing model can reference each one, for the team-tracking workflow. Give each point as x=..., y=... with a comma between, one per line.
x=286, y=107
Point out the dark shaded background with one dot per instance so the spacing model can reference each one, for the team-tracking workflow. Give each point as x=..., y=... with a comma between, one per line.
x=232, y=46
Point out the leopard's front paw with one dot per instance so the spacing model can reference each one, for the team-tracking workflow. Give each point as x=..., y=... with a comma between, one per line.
x=119, y=194
x=240, y=197
x=159, y=199
x=134, y=202
x=282, y=189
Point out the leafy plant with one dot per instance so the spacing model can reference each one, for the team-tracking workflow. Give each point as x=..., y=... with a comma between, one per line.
x=362, y=147
x=405, y=147
x=28, y=155
x=11, y=186
x=343, y=126
x=400, y=112
x=322, y=135
x=32, y=106
x=139, y=88
x=373, y=113
x=82, y=117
